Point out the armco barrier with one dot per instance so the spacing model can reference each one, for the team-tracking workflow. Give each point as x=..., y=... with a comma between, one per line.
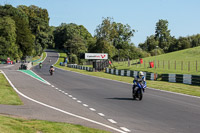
x=182, y=78
x=177, y=78
x=80, y=67
x=148, y=76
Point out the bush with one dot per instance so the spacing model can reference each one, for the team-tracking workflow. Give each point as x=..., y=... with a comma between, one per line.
x=156, y=52
x=73, y=59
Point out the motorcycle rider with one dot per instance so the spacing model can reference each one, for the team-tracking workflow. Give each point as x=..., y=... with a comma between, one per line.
x=141, y=79
x=51, y=68
x=40, y=64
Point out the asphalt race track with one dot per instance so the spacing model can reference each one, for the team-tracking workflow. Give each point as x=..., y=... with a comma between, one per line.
x=105, y=101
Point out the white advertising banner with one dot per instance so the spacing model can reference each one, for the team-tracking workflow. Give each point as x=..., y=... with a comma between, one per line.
x=98, y=56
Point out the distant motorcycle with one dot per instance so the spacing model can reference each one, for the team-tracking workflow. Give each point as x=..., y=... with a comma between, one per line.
x=51, y=71
x=137, y=93
x=40, y=65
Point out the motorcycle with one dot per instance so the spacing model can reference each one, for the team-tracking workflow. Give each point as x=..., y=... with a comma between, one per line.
x=137, y=90
x=51, y=71
x=40, y=65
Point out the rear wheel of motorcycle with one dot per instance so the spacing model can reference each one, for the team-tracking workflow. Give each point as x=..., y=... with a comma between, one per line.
x=133, y=95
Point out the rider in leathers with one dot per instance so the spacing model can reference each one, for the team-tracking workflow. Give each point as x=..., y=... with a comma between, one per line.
x=140, y=78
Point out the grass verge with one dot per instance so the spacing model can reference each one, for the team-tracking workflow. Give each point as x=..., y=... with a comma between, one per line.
x=173, y=87
x=7, y=94
x=18, y=125
x=44, y=54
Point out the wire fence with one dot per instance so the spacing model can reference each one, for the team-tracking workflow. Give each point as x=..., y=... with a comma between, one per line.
x=178, y=65
x=170, y=66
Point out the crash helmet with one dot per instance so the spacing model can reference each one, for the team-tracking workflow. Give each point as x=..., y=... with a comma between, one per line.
x=141, y=74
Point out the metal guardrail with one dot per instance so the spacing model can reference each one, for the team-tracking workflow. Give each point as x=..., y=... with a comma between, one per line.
x=182, y=78
x=129, y=73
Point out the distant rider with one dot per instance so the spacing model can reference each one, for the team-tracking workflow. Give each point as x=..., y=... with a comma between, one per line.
x=40, y=64
x=141, y=79
x=51, y=68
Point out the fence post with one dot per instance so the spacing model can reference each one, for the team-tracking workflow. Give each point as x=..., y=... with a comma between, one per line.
x=163, y=64
x=188, y=66
x=182, y=65
x=168, y=64
x=175, y=64
x=196, y=65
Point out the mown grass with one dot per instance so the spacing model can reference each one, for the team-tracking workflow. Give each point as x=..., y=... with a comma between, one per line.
x=18, y=125
x=44, y=54
x=179, y=62
x=7, y=94
x=173, y=87
x=35, y=58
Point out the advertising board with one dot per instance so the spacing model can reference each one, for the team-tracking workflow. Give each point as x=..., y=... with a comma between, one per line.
x=97, y=56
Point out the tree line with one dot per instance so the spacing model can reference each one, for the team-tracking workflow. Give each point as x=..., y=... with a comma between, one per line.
x=25, y=31
x=163, y=42
x=110, y=37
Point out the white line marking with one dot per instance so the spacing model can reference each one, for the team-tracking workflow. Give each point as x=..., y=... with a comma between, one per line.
x=112, y=121
x=59, y=90
x=79, y=101
x=57, y=109
x=52, y=86
x=174, y=93
x=92, y=109
x=70, y=95
x=74, y=98
x=125, y=129
x=63, y=92
x=85, y=105
x=66, y=93
x=101, y=114
x=56, y=88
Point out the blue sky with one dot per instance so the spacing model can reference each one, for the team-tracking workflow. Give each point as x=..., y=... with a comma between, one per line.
x=141, y=15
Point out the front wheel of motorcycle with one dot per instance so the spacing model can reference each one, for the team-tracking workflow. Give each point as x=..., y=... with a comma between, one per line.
x=133, y=95
x=140, y=95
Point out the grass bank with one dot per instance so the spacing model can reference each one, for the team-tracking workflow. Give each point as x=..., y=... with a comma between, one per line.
x=179, y=62
x=173, y=87
x=7, y=95
x=18, y=125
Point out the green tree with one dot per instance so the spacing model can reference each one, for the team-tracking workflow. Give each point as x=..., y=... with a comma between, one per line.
x=111, y=36
x=194, y=40
x=39, y=24
x=8, y=45
x=162, y=34
x=150, y=44
x=24, y=38
x=74, y=39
